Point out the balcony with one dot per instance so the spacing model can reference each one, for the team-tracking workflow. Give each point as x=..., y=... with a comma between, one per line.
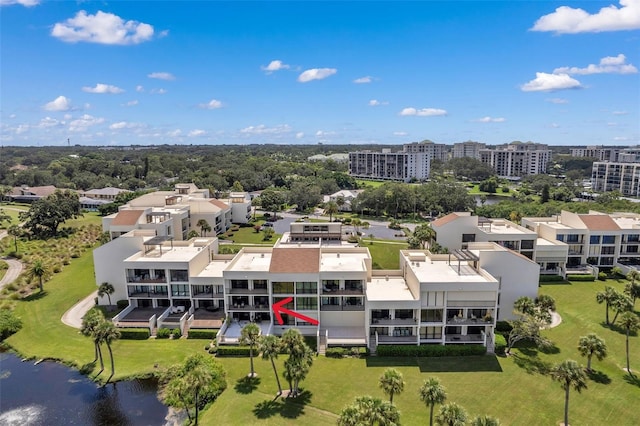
x=343, y=307
x=397, y=339
x=261, y=291
x=244, y=307
x=146, y=279
x=464, y=338
x=336, y=291
x=144, y=291
x=207, y=294
x=395, y=321
x=468, y=321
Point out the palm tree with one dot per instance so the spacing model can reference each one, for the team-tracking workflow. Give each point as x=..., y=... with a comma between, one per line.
x=451, y=414
x=524, y=305
x=38, y=269
x=108, y=332
x=590, y=345
x=485, y=421
x=367, y=410
x=250, y=335
x=270, y=348
x=15, y=231
x=391, y=382
x=106, y=289
x=630, y=322
x=622, y=303
x=90, y=324
x=607, y=297
x=296, y=368
x=432, y=393
x=204, y=227
x=570, y=375
x=330, y=209
x=632, y=289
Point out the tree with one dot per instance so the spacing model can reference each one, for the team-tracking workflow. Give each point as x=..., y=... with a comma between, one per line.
x=391, y=382
x=432, y=393
x=544, y=195
x=451, y=414
x=425, y=234
x=526, y=328
x=193, y=234
x=250, y=335
x=621, y=303
x=90, y=325
x=193, y=384
x=237, y=187
x=525, y=305
x=330, y=209
x=297, y=366
x=607, y=297
x=15, y=231
x=630, y=322
x=570, y=375
x=47, y=214
x=107, y=333
x=9, y=323
x=204, y=227
x=616, y=272
x=272, y=200
x=485, y=421
x=267, y=233
x=591, y=345
x=367, y=410
x=340, y=201
x=4, y=217
x=38, y=270
x=270, y=348
x=632, y=289
x=106, y=289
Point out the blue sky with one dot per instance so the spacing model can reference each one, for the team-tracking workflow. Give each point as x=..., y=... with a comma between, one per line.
x=206, y=72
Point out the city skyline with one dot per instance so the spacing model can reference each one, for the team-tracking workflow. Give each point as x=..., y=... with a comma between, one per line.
x=123, y=73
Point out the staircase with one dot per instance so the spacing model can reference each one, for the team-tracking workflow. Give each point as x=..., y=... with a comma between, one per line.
x=322, y=345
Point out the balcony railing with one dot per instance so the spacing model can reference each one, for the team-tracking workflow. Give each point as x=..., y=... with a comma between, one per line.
x=150, y=294
x=394, y=321
x=342, y=292
x=248, y=291
x=243, y=307
x=468, y=321
x=464, y=338
x=140, y=279
x=342, y=307
x=208, y=294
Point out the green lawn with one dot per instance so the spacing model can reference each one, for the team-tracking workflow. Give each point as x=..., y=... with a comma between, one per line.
x=13, y=212
x=364, y=183
x=476, y=191
x=250, y=236
x=384, y=253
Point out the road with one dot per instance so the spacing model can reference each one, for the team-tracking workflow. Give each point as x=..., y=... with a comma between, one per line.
x=15, y=269
x=73, y=317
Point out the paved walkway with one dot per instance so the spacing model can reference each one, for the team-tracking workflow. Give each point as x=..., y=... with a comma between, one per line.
x=15, y=269
x=73, y=317
x=556, y=320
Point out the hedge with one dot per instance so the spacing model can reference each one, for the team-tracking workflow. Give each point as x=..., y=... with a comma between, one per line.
x=550, y=278
x=311, y=341
x=163, y=333
x=500, y=344
x=340, y=352
x=235, y=351
x=134, y=333
x=121, y=304
x=202, y=334
x=503, y=327
x=430, y=350
x=581, y=278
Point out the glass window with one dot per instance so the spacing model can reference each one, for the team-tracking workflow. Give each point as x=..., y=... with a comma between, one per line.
x=260, y=284
x=561, y=237
x=608, y=250
x=526, y=245
x=594, y=239
x=240, y=284
x=431, y=332
x=306, y=288
x=353, y=285
x=431, y=315
x=180, y=290
x=306, y=303
x=282, y=288
x=608, y=239
x=179, y=275
x=468, y=238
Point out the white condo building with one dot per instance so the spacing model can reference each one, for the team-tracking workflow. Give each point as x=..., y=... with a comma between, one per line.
x=517, y=159
x=468, y=149
x=430, y=299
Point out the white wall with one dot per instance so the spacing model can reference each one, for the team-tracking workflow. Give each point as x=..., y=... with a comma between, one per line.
x=107, y=260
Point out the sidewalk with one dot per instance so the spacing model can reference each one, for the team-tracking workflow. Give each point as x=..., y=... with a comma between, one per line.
x=73, y=317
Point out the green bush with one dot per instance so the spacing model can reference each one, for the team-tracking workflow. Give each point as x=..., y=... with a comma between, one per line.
x=134, y=333
x=163, y=333
x=602, y=276
x=213, y=350
x=581, y=277
x=550, y=278
x=9, y=323
x=335, y=352
x=202, y=334
x=503, y=327
x=500, y=344
x=176, y=333
x=341, y=352
x=311, y=341
x=121, y=304
x=234, y=351
x=430, y=350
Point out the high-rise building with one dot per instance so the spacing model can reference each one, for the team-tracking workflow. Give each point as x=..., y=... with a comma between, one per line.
x=468, y=149
x=517, y=159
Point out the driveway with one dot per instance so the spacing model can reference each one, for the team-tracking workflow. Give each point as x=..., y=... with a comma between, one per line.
x=15, y=269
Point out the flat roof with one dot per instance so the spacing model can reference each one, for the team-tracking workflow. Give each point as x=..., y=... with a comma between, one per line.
x=252, y=262
x=169, y=254
x=388, y=289
x=502, y=227
x=343, y=262
x=215, y=268
x=440, y=271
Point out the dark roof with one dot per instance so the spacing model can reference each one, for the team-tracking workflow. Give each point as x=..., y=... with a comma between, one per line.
x=295, y=260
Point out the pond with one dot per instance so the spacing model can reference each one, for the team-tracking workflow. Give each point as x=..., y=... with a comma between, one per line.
x=52, y=394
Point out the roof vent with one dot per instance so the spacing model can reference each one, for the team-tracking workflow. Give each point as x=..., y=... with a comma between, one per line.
x=261, y=254
x=386, y=277
x=338, y=254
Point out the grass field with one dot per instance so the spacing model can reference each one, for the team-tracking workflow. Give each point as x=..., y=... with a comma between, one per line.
x=385, y=254
x=476, y=191
x=246, y=235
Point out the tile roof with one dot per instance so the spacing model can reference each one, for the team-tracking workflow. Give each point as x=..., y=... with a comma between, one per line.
x=599, y=222
x=106, y=191
x=295, y=260
x=219, y=204
x=445, y=219
x=127, y=217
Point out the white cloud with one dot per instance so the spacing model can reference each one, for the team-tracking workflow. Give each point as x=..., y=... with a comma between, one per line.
x=568, y=20
x=262, y=129
x=323, y=133
x=103, y=88
x=158, y=91
x=131, y=103
x=12, y=116
x=196, y=133
x=61, y=103
x=174, y=133
x=607, y=65
x=102, y=28
x=299, y=135
x=620, y=112
x=212, y=104
x=273, y=66
x=400, y=134
x=25, y=3
x=621, y=139
x=554, y=125
x=48, y=122
x=139, y=89
x=22, y=128
x=83, y=123
x=363, y=80
x=125, y=125
x=162, y=76
x=316, y=74
x=490, y=120
x=67, y=116
x=424, y=112
x=558, y=101
x=375, y=102
x=545, y=82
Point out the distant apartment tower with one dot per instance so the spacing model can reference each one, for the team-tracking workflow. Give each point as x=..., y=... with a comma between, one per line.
x=622, y=175
x=468, y=149
x=600, y=153
x=413, y=162
x=517, y=159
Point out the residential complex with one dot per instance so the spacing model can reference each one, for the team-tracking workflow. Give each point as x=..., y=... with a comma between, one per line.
x=468, y=149
x=517, y=159
x=599, y=152
x=430, y=299
x=621, y=174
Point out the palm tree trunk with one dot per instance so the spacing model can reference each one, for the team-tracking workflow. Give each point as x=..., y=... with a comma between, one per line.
x=41, y=287
x=101, y=359
x=391, y=398
x=96, y=349
x=589, y=362
x=112, y=364
x=607, y=314
x=251, y=359
x=431, y=415
x=197, y=410
x=273, y=364
x=566, y=406
x=627, y=346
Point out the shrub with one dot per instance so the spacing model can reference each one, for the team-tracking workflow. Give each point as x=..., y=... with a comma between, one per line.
x=134, y=333
x=121, y=304
x=503, y=327
x=430, y=350
x=311, y=341
x=550, y=278
x=9, y=323
x=233, y=351
x=342, y=352
x=602, y=276
x=213, y=350
x=176, y=333
x=500, y=344
x=202, y=334
x=163, y=333
x=581, y=277
x=335, y=352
